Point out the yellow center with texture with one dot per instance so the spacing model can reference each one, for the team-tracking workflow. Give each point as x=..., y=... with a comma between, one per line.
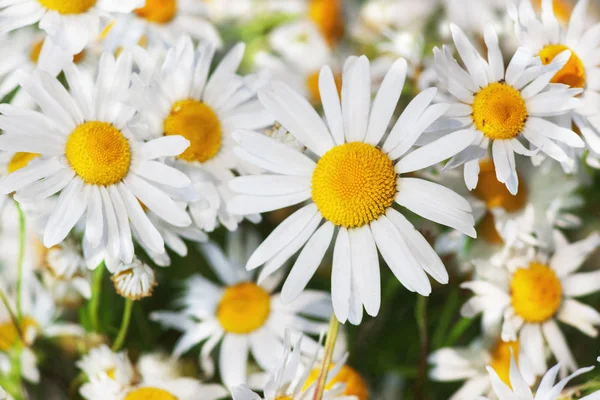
x=501, y=359
x=99, y=153
x=499, y=111
x=67, y=7
x=149, y=393
x=572, y=74
x=355, y=384
x=536, y=293
x=159, y=11
x=199, y=124
x=353, y=184
x=243, y=308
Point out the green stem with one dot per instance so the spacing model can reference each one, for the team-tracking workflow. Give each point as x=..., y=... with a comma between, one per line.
x=332, y=333
x=94, y=305
x=124, y=325
x=13, y=317
x=421, y=317
x=20, y=261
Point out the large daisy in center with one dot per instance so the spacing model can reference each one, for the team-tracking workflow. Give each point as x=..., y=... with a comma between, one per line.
x=353, y=185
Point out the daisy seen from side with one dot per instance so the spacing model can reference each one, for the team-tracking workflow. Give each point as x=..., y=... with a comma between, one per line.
x=90, y=153
x=352, y=185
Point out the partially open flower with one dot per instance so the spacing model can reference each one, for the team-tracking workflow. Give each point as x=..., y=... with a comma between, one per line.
x=134, y=281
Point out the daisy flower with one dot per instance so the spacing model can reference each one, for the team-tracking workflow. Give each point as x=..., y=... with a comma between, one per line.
x=90, y=154
x=352, y=186
x=503, y=108
x=244, y=316
x=292, y=378
x=102, y=362
x=180, y=97
x=71, y=24
x=547, y=38
x=469, y=364
x=518, y=389
x=135, y=280
x=531, y=292
x=161, y=23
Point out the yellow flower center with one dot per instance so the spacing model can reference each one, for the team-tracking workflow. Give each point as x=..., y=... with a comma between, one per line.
x=312, y=83
x=501, y=359
x=9, y=335
x=499, y=111
x=536, y=292
x=353, y=184
x=99, y=153
x=355, y=384
x=159, y=11
x=149, y=393
x=199, y=124
x=20, y=160
x=572, y=74
x=494, y=193
x=243, y=308
x=327, y=15
x=68, y=6
x=562, y=9
x=283, y=398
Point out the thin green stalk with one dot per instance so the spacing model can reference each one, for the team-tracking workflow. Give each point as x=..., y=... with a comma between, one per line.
x=124, y=325
x=332, y=333
x=20, y=261
x=94, y=304
x=13, y=317
x=421, y=317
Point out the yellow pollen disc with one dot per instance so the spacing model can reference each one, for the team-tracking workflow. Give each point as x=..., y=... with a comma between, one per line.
x=327, y=15
x=199, y=124
x=283, y=398
x=99, y=153
x=312, y=84
x=572, y=74
x=243, y=308
x=536, y=292
x=20, y=160
x=68, y=6
x=355, y=384
x=9, y=335
x=499, y=111
x=501, y=359
x=494, y=193
x=159, y=11
x=149, y=393
x=353, y=184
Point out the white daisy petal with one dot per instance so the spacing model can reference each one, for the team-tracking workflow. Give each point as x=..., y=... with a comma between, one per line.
x=341, y=275
x=356, y=109
x=558, y=345
x=233, y=359
x=365, y=264
x=331, y=104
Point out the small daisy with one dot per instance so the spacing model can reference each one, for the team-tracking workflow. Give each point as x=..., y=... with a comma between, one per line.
x=469, y=364
x=71, y=24
x=180, y=98
x=532, y=292
x=134, y=280
x=103, y=362
x=298, y=53
x=90, y=154
x=518, y=389
x=161, y=23
x=352, y=185
x=241, y=315
x=292, y=380
x=547, y=38
x=503, y=108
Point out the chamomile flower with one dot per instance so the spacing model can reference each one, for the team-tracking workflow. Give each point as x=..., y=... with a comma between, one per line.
x=518, y=388
x=531, y=292
x=503, y=108
x=161, y=23
x=546, y=38
x=292, y=379
x=352, y=186
x=72, y=24
x=134, y=280
x=469, y=364
x=102, y=362
x=243, y=316
x=180, y=98
x=90, y=154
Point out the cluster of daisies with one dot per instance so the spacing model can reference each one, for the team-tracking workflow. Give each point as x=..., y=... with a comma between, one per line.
x=299, y=165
